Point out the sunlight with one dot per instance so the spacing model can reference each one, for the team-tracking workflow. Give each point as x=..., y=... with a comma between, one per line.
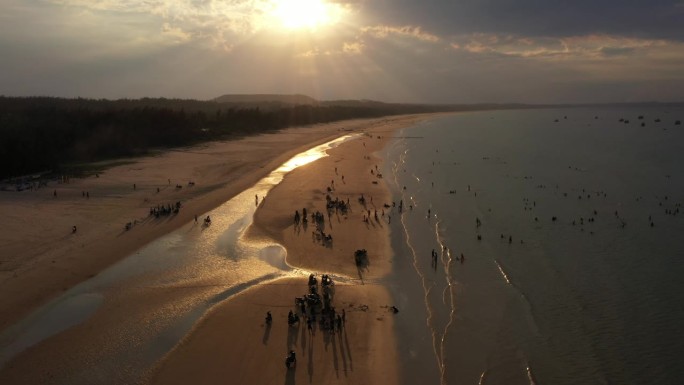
x=305, y=14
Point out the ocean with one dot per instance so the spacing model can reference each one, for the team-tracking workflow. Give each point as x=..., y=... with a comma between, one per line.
x=558, y=240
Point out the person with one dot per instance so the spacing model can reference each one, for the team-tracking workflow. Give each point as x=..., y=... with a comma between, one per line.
x=291, y=359
x=73, y=230
x=269, y=318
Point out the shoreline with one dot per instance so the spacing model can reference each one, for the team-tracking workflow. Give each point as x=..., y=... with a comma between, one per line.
x=375, y=341
x=36, y=234
x=374, y=299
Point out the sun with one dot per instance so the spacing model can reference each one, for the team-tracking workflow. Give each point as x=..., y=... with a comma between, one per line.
x=304, y=14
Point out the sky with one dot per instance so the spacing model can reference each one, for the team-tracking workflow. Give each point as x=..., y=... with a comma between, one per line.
x=426, y=51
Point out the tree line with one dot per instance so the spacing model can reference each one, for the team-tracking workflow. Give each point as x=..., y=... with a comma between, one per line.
x=39, y=134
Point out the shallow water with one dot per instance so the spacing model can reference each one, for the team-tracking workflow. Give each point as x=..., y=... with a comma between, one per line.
x=164, y=289
x=595, y=302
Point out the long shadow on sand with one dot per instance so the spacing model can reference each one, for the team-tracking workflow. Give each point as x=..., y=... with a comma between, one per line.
x=267, y=334
x=310, y=366
x=290, y=376
x=292, y=334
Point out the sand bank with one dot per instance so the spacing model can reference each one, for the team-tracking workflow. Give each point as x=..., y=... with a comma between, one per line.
x=353, y=170
x=40, y=257
x=365, y=352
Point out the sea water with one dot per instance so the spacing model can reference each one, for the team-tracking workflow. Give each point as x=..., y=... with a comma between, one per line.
x=559, y=241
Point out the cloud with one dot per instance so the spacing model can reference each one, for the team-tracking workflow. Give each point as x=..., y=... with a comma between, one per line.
x=653, y=19
x=217, y=23
x=314, y=53
x=571, y=47
x=383, y=31
x=411, y=51
x=353, y=48
x=176, y=32
x=616, y=51
x=347, y=48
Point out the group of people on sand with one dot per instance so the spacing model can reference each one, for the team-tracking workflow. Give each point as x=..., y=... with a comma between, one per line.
x=164, y=210
x=314, y=311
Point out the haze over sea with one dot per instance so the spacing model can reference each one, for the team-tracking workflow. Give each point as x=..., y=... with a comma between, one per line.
x=592, y=297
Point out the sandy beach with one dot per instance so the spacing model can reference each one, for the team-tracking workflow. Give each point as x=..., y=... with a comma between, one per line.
x=367, y=339
x=39, y=246
x=233, y=344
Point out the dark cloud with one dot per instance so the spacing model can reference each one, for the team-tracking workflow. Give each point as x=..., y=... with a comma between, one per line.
x=641, y=18
x=616, y=51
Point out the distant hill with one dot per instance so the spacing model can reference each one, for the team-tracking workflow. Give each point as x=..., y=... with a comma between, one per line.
x=256, y=99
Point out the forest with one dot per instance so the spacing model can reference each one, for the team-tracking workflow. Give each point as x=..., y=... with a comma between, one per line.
x=49, y=135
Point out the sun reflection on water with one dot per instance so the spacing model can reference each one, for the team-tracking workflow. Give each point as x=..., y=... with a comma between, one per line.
x=200, y=266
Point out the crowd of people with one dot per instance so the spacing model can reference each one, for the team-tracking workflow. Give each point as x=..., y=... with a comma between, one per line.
x=315, y=310
x=165, y=210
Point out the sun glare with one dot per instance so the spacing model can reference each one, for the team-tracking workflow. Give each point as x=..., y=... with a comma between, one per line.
x=304, y=14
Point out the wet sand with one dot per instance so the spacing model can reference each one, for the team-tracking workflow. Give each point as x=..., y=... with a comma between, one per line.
x=40, y=257
x=369, y=340
x=38, y=245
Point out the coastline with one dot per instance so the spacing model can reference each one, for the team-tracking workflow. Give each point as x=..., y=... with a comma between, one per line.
x=210, y=352
x=36, y=231
x=113, y=198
